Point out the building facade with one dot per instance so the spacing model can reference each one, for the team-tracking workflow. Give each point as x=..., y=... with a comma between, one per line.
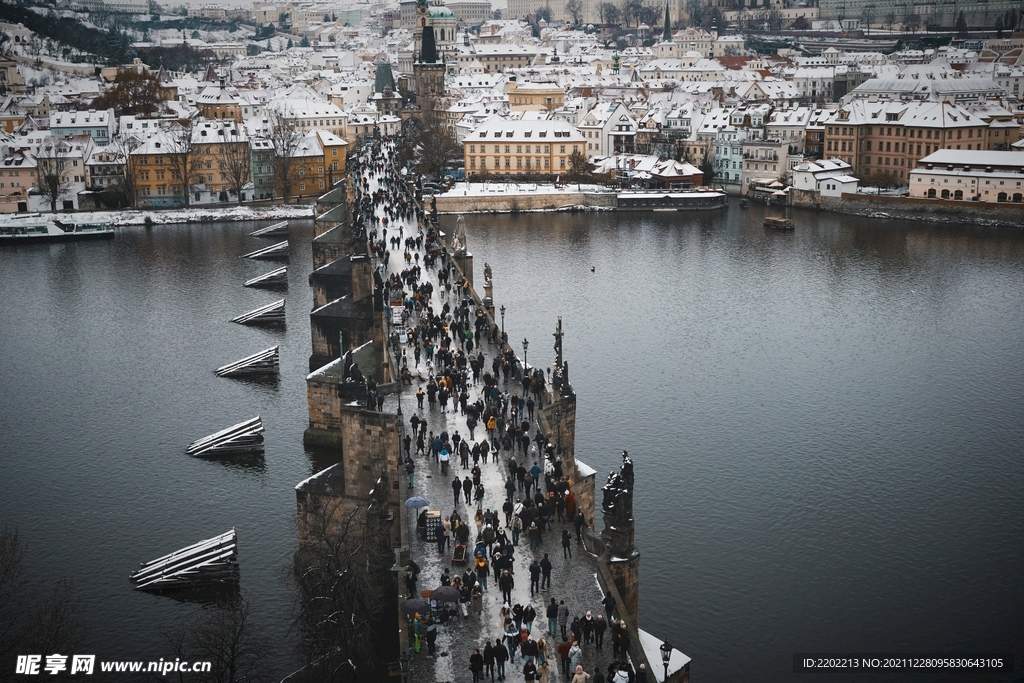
x=505, y=147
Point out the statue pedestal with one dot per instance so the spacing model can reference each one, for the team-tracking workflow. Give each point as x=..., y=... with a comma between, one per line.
x=624, y=574
x=464, y=260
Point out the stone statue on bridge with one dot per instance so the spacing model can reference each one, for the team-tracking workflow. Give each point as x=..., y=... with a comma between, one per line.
x=617, y=506
x=459, y=236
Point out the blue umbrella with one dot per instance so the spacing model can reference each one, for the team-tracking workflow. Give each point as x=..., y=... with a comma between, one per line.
x=417, y=502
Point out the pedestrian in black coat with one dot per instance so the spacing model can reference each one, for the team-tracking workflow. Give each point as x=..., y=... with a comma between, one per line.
x=489, y=660
x=566, y=544
x=534, y=577
x=545, y=572
x=476, y=665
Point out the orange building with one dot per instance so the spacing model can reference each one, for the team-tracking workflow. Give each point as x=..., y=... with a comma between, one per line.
x=209, y=153
x=319, y=161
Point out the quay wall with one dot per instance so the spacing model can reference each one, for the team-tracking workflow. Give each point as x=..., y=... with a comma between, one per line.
x=912, y=208
x=511, y=203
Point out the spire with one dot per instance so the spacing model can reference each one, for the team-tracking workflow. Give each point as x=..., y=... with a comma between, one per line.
x=428, y=52
x=666, y=36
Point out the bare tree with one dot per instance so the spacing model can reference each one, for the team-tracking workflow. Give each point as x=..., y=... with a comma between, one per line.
x=285, y=138
x=609, y=13
x=913, y=22
x=29, y=621
x=436, y=149
x=229, y=637
x=868, y=17
x=342, y=585
x=574, y=11
x=890, y=19
x=237, y=164
x=52, y=181
x=696, y=9
x=184, y=159
x=578, y=167
x=128, y=181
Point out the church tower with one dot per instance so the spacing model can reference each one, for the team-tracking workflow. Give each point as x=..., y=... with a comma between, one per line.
x=429, y=71
x=666, y=48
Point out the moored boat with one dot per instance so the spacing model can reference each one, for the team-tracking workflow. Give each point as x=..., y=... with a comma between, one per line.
x=665, y=200
x=779, y=223
x=33, y=228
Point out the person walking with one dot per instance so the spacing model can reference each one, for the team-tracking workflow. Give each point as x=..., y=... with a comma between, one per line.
x=443, y=458
x=544, y=672
x=467, y=488
x=456, y=490
x=534, y=577
x=488, y=654
x=580, y=522
x=545, y=572
x=482, y=569
x=534, y=535
x=431, y=637
x=529, y=616
x=580, y=676
x=609, y=605
x=566, y=544
x=506, y=583
x=530, y=672
x=600, y=626
x=563, y=616
x=587, y=624
x=517, y=528
x=563, y=655
x=575, y=657
x=500, y=657
x=410, y=468
x=552, y=615
x=476, y=665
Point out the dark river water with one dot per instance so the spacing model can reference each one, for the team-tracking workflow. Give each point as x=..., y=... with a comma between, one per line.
x=827, y=426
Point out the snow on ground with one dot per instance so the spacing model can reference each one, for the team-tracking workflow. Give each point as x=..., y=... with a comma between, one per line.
x=199, y=214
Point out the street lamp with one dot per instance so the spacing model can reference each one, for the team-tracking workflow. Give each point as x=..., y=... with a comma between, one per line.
x=502, y=309
x=666, y=654
x=404, y=661
x=526, y=345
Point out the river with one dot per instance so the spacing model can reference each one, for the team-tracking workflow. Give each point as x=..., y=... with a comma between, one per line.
x=826, y=425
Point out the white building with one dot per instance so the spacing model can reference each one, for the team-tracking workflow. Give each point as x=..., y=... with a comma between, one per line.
x=608, y=128
x=961, y=175
x=828, y=178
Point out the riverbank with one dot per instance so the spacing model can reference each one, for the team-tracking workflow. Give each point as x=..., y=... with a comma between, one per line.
x=521, y=197
x=916, y=209
x=490, y=197
x=195, y=214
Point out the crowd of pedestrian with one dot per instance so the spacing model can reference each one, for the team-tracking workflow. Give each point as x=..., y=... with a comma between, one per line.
x=446, y=340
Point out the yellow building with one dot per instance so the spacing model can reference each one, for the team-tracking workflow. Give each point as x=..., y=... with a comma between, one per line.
x=17, y=176
x=210, y=153
x=319, y=161
x=534, y=96
x=217, y=102
x=504, y=147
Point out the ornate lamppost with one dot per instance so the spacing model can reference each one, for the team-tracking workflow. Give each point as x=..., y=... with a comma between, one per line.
x=526, y=345
x=502, y=310
x=666, y=654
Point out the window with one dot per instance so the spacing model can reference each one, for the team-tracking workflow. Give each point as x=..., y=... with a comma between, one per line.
x=302, y=186
x=562, y=150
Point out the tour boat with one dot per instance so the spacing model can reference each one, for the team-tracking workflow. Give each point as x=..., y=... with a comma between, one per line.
x=779, y=223
x=665, y=200
x=32, y=228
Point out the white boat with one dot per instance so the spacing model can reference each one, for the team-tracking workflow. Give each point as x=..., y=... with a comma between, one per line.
x=34, y=227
